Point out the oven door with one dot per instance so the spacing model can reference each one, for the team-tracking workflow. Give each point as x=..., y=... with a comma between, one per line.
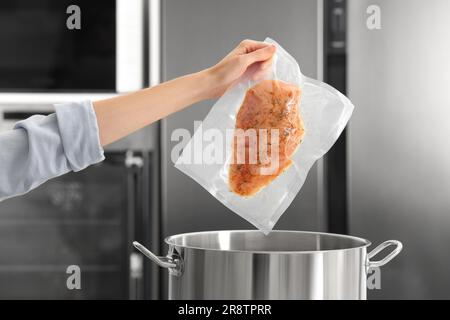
x=71, y=46
x=71, y=237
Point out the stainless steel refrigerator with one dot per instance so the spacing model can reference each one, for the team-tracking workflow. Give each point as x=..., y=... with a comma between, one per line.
x=195, y=35
x=399, y=146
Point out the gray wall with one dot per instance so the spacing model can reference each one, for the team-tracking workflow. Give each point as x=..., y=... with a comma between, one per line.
x=399, y=81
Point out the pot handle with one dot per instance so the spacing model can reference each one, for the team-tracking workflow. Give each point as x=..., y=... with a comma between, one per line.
x=164, y=262
x=379, y=263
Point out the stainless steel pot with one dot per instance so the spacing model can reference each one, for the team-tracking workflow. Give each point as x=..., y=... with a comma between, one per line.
x=281, y=265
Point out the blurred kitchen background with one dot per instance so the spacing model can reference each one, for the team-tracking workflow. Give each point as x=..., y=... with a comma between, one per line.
x=388, y=177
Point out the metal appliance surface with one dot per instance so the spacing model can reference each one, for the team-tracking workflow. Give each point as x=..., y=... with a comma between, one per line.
x=195, y=35
x=281, y=265
x=399, y=155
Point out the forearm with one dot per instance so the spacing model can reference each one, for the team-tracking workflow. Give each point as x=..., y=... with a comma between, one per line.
x=120, y=116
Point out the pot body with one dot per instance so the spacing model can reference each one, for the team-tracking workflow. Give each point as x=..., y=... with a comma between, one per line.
x=281, y=265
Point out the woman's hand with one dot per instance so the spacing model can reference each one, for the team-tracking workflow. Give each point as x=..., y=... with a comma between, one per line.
x=248, y=53
x=118, y=117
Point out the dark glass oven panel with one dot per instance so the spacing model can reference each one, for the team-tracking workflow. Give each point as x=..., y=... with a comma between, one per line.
x=77, y=219
x=39, y=53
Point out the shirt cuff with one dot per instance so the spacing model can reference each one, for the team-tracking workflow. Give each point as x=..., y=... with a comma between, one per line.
x=78, y=127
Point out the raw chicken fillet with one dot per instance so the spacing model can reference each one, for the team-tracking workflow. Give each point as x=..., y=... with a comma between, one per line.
x=271, y=104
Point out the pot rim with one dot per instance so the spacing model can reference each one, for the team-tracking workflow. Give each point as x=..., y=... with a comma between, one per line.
x=366, y=244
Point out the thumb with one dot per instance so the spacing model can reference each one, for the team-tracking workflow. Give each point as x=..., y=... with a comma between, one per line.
x=259, y=55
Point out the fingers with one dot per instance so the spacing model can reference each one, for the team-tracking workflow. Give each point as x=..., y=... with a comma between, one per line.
x=266, y=64
x=260, y=55
x=247, y=46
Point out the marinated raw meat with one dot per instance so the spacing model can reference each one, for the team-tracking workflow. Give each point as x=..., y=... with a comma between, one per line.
x=269, y=105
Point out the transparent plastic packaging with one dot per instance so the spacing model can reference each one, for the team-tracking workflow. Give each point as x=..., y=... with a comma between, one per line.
x=210, y=154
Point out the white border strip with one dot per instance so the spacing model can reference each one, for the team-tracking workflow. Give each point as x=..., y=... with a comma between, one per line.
x=155, y=42
x=129, y=45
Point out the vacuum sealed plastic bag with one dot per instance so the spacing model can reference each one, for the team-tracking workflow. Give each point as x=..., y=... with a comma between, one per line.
x=254, y=149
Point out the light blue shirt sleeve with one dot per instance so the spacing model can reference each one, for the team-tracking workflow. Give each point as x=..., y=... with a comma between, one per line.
x=43, y=147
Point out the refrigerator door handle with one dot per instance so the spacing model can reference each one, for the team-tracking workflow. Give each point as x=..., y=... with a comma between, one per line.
x=134, y=163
